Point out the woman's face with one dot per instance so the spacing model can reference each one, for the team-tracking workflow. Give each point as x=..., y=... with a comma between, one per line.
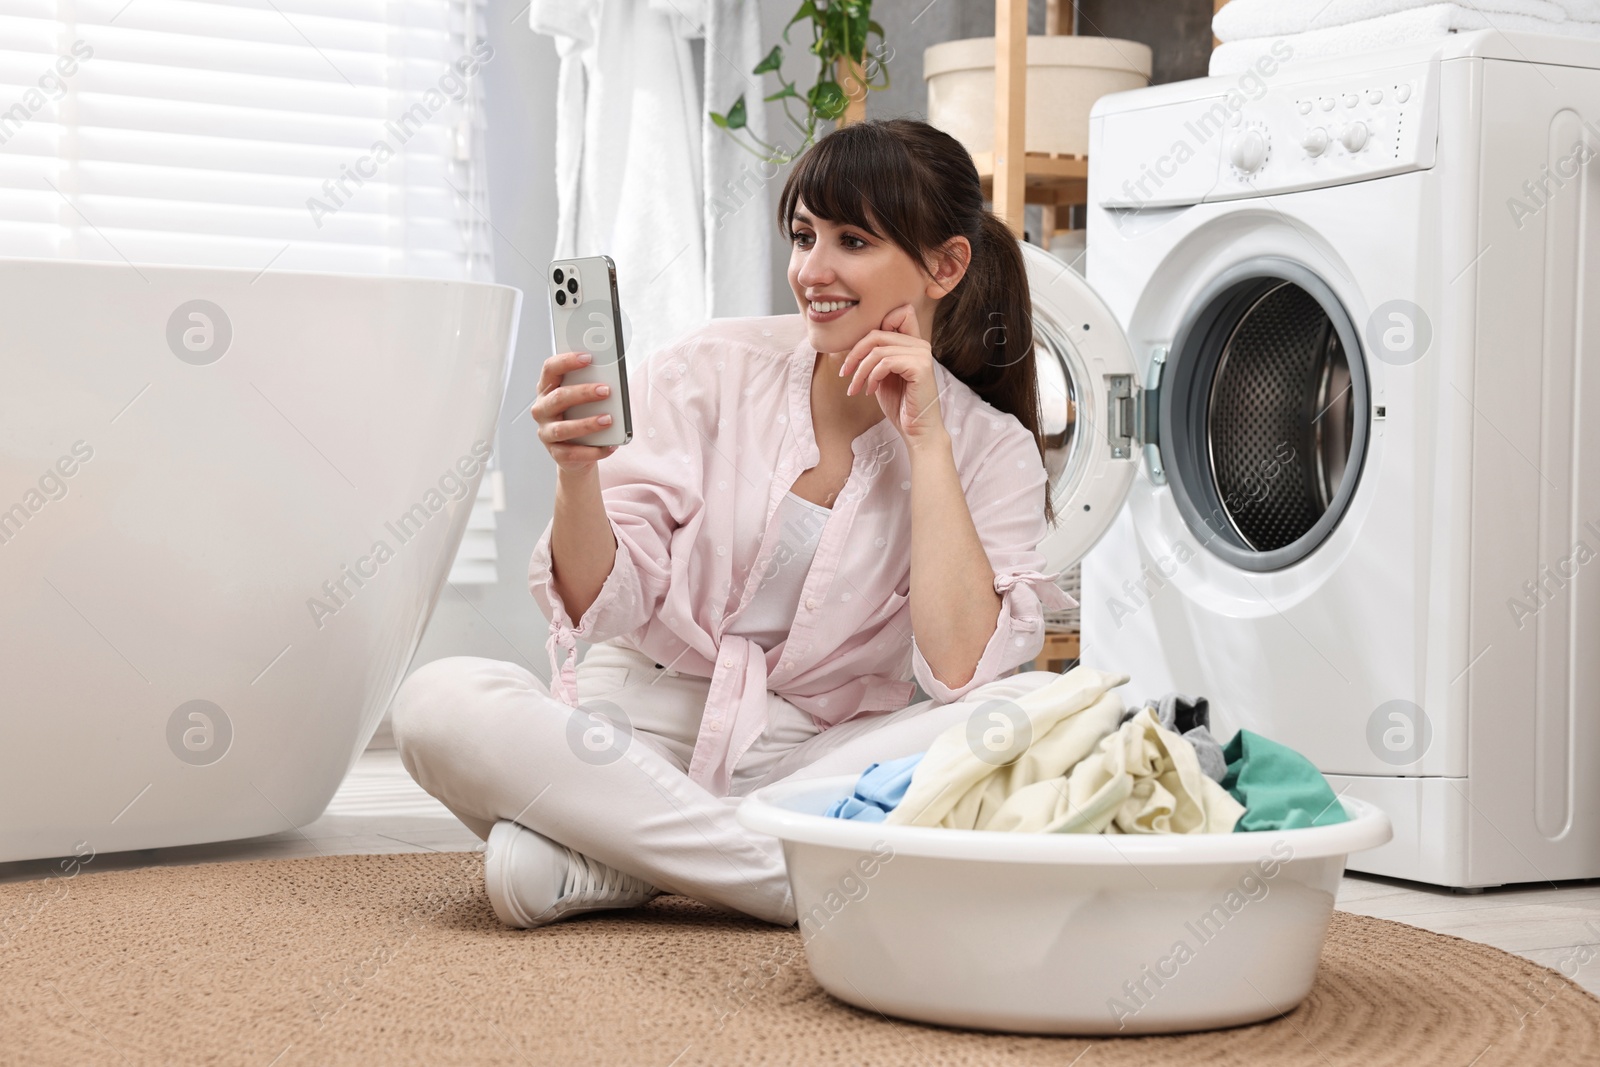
x=871, y=276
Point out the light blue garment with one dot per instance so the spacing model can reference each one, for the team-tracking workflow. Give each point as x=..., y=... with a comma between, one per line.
x=880, y=787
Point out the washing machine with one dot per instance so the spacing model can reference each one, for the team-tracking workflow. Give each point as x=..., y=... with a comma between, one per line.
x=1324, y=428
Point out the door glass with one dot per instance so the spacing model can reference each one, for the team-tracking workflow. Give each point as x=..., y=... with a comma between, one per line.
x=1059, y=401
x=1265, y=416
x=1280, y=420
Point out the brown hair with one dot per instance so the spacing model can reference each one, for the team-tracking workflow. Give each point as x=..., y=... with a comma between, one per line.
x=922, y=186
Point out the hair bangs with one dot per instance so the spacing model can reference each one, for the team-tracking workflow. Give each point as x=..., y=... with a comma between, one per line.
x=831, y=179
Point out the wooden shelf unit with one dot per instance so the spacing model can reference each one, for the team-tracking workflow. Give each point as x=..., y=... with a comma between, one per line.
x=1053, y=181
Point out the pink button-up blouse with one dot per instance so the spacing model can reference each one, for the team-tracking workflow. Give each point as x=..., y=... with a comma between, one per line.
x=722, y=428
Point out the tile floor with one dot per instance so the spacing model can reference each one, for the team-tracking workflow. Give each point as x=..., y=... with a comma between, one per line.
x=380, y=809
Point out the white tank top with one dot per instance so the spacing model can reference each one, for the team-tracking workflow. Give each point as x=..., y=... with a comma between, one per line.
x=769, y=616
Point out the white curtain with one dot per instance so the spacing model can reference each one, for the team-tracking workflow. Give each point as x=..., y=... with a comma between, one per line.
x=644, y=176
x=326, y=135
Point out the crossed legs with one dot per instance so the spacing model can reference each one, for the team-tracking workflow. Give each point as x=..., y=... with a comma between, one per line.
x=485, y=737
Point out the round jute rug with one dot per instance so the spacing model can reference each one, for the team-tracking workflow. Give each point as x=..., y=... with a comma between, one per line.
x=398, y=959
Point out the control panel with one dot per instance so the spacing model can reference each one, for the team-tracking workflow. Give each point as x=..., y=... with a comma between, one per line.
x=1330, y=131
x=1255, y=136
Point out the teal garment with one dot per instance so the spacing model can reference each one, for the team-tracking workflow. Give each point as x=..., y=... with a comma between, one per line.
x=1279, y=788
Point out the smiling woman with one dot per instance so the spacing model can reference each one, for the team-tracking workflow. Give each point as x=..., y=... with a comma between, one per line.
x=873, y=259
x=865, y=242
x=900, y=409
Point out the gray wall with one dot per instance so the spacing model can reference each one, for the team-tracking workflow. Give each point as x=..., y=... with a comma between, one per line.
x=1177, y=31
x=502, y=621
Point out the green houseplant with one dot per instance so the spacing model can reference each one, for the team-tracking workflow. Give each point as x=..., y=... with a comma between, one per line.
x=839, y=31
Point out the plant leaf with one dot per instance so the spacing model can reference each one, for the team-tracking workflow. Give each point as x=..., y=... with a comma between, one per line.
x=773, y=61
x=858, y=35
x=828, y=100
x=808, y=10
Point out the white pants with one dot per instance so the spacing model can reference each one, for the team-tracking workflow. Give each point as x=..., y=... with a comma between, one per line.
x=485, y=737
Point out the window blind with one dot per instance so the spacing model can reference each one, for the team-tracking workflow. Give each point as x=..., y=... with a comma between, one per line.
x=327, y=135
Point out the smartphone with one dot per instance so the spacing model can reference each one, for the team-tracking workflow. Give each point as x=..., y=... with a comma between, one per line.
x=586, y=316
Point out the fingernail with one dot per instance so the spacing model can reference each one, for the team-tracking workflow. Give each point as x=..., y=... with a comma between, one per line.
x=605, y=420
x=584, y=357
x=604, y=390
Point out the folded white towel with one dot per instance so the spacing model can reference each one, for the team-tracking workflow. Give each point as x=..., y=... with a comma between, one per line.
x=1242, y=19
x=1403, y=27
x=1581, y=10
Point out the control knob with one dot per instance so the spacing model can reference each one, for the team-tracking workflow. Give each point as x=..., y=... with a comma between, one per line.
x=1249, y=151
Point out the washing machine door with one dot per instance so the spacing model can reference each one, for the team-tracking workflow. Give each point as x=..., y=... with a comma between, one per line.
x=1091, y=409
x=1263, y=416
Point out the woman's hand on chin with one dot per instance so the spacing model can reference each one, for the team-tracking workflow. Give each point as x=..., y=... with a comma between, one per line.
x=895, y=364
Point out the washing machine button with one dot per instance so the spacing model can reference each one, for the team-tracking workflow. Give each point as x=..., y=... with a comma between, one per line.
x=1249, y=151
x=1354, y=137
x=1403, y=93
x=1316, y=142
x=1326, y=102
x=1374, y=96
x=1350, y=99
x=1305, y=107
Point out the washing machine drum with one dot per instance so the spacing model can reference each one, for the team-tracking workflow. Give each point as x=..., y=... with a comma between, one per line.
x=1263, y=420
x=1257, y=417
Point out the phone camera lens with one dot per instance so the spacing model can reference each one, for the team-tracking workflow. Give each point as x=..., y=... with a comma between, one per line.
x=572, y=285
x=560, y=276
x=561, y=298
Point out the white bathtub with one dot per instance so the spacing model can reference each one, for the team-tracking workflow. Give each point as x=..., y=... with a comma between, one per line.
x=199, y=630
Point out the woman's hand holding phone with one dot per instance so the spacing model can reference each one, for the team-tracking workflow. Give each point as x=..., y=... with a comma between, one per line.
x=553, y=401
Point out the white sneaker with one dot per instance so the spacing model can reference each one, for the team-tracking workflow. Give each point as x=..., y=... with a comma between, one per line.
x=533, y=880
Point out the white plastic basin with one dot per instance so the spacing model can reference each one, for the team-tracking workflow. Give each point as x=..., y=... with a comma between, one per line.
x=1058, y=933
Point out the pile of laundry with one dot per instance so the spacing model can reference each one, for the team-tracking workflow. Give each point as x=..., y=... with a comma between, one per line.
x=1069, y=758
x=1256, y=32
